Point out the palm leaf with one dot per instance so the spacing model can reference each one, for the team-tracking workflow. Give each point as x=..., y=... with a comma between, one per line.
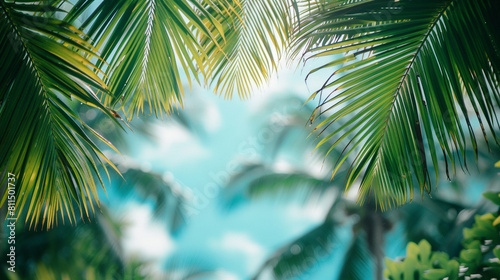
x=167, y=200
x=413, y=76
x=357, y=261
x=295, y=258
x=287, y=184
x=257, y=180
x=256, y=34
x=148, y=45
x=46, y=62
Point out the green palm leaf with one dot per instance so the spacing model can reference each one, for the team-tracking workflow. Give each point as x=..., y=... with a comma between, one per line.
x=256, y=34
x=45, y=62
x=414, y=74
x=167, y=200
x=147, y=44
x=357, y=261
x=298, y=256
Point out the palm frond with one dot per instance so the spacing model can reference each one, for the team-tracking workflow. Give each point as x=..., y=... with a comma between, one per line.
x=256, y=34
x=150, y=185
x=148, y=45
x=414, y=75
x=46, y=62
x=298, y=256
x=287, y=184
x=259, y=180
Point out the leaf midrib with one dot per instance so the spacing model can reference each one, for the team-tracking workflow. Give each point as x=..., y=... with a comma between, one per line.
x=405, y=75
x=42, y=86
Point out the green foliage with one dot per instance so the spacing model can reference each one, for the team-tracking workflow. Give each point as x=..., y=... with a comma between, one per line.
x=422, y=263
x=113, y=55
x=87, y=251
x=480, y=254
x=412, y=77
x=256, y=34
x=147, y=47
x=46, y=62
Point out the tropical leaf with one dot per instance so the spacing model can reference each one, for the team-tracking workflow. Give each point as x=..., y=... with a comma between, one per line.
x=414, y=75
x=357, y=261
x=298, y=256
x=256, y=34
x=45, y=63
x=257, y=180
x=150, y=185
x=287, y=184
x=87, y=251
x=148, y=45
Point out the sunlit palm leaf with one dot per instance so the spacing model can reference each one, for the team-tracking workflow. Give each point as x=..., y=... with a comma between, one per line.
x=414, y=74
x=149, y=46
x=256, y=35
x=45, y=62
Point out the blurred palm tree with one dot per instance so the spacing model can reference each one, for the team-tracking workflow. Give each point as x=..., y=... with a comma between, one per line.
x=439, y=220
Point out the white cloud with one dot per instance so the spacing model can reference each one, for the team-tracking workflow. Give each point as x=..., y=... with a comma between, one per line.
x=212, y=119
x=241, y=244
x=313, y=213
x=143, y=236
x=224, y=275
x=204, y=111
x=316, y=164
x=174, y=144
x=282, y=166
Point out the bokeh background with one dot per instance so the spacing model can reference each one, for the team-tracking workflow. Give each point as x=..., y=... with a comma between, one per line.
x=234, y=189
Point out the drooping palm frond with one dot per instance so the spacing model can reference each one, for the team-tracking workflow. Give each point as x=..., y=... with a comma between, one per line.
x=287, y=184
x=179, y=267
x=257, y=180
x=46, y=62
x=150, y=185
x=148, y=45
x=256, y=34
x=357, y=261
x=414, y=75
x=301, y=254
